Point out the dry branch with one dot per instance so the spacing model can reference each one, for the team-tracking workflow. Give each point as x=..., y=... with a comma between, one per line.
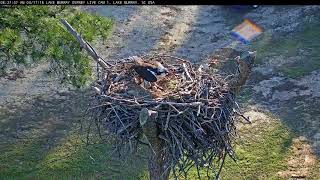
x=84, y=44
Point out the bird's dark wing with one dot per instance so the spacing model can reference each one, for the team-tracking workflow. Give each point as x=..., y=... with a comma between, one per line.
x=145, y=73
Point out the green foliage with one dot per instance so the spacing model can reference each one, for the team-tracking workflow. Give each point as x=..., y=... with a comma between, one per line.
x=31, y=34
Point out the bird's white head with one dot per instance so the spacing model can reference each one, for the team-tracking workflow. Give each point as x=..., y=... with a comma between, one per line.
x=161, y=68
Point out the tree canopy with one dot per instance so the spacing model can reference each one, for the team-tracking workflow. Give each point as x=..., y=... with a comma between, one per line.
x=33, y=34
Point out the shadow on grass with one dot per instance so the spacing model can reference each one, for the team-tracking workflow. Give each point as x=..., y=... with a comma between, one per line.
x=41, y=139
x=294, y=56
x=48, y=144
x=263, y=155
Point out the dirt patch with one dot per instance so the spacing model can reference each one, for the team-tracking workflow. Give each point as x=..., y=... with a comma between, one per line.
x=301, y=161
x=196, y=33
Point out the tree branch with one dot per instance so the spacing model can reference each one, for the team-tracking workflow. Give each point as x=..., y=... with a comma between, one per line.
x=84, y=44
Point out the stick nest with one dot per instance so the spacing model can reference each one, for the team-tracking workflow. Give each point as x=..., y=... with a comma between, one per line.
x=195, y=112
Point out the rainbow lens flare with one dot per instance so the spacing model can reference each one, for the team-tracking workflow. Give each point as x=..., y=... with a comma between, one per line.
x=247, y=31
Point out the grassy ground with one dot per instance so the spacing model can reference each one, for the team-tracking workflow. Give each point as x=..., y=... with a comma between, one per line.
x=262, y=149
x=262, y=152
x=51, y=147
x=298, y=44
x=48, y=144
x=71, y=159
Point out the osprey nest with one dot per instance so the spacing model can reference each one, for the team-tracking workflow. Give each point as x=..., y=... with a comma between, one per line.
x=192, y=112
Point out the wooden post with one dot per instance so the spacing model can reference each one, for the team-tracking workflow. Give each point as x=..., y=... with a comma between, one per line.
x=157, y=159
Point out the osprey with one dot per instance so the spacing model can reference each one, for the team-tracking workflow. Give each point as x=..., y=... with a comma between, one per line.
x=149, y=71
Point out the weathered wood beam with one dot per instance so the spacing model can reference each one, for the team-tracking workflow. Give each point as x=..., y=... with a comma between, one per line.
x=157, y=159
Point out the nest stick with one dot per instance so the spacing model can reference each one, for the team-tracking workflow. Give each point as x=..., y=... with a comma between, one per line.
x=193, y=128
x=186, y=71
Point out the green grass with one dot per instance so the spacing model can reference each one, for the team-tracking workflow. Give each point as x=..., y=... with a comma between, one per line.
x=68, y=160
x=263, y=46
x=296, y=72
x=288, y=46
x=245, y=94
x=93, y=161
x=262, y=151
x=47, y=149
x=260, y=156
